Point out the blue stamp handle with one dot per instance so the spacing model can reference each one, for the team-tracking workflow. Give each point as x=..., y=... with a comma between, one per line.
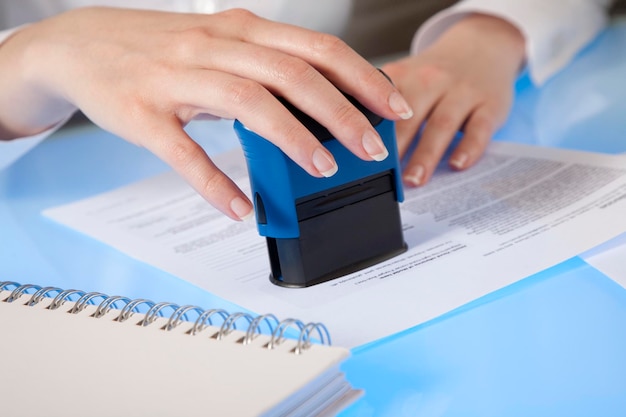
x=277, y=182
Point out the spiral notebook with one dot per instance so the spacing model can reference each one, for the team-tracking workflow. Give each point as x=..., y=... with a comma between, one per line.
x=72, y=353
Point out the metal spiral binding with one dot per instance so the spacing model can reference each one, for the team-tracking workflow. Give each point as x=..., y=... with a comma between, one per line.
x=41, y=294
x=178, y=315
x=108, y=303
x=62, y=297
x=131, y=307
x=85, y=300
x=304, y=338
x=278, y=333
x=19, y=291
x=305, y=341
x=155, y=312
x=204, y=318
x=254, y=325
x=230, y=324
x=5, y=284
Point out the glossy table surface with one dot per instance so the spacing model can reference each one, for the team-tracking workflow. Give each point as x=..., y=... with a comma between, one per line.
x=551, y=345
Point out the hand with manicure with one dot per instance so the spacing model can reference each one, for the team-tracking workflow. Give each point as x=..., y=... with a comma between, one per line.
x=143, y=75
x=463, y=82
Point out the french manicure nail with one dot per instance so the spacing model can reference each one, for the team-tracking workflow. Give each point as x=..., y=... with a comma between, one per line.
x=459, y=161
x=241, y=208
x=415, y=176
x=400, y=106
x=324, y=163
x=374, y=146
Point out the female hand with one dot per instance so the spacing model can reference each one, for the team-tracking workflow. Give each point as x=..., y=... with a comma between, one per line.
x=463, y=82
x=143, y=75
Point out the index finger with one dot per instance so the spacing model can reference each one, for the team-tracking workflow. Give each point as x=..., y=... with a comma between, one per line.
x=170, y=143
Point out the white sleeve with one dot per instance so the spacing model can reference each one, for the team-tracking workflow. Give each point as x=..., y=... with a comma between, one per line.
x=13, y=149
x=555, y=30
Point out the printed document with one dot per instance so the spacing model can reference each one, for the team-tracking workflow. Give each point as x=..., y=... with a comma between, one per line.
x=520, y=210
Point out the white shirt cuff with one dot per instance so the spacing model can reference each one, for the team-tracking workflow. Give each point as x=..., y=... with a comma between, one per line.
x=4, y=34
x=12, y=150
x=555, y=31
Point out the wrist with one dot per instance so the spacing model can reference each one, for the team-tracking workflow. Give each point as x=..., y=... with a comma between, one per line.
x=495, y=33
x=27, y=105
x=483, y=37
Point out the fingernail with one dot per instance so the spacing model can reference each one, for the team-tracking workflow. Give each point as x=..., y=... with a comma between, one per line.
x=459, y=161
x=242, y=208
x=400, y=106
x=324, y=163
x=374, y=146
x=414, y=176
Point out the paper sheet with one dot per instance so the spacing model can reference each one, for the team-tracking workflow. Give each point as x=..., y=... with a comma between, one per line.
x=610, y=259
x=521, y=210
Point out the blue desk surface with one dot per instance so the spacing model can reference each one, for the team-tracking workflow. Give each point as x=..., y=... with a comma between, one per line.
x=551, y=345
